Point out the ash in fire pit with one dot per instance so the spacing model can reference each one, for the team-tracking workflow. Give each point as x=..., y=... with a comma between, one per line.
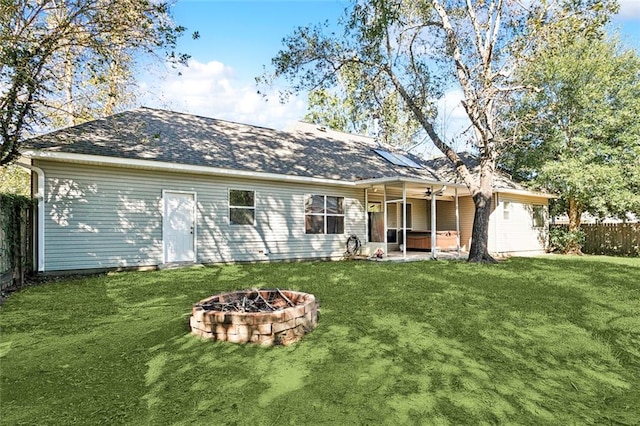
x=267, y=317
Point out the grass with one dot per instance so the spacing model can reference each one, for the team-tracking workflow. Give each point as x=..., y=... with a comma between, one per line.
x=528, y=341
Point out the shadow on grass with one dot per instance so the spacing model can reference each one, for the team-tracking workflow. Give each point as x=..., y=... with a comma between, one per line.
x=420, y=350
x=531, y=341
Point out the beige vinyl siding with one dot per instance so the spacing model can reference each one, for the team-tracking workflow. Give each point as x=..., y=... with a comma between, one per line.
x=445, y=215
x=105, y=217
x=467, y=210
x=95, y=219
x=517, y=233
x=420, y=214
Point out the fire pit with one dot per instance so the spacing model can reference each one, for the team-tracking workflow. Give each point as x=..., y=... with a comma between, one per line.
x=266, y=317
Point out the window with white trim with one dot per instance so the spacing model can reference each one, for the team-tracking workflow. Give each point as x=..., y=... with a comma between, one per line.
x=324, y=214
x=506, y=210
x=539, y=213
x=242, y=207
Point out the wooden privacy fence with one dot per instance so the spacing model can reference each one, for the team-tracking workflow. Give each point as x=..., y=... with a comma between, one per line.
x=16, y=248
x=618, y=239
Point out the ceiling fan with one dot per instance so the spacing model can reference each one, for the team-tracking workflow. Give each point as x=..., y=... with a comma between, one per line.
x=431, y=193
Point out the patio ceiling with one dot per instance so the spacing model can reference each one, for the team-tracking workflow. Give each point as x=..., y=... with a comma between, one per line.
x=415, y=189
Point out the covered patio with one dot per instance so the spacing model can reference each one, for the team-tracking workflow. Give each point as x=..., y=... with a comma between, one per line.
x=416, y=219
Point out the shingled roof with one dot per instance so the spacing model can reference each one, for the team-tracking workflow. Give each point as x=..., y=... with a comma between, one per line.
x=165, y=136
x=305, y=150
x=443, y=168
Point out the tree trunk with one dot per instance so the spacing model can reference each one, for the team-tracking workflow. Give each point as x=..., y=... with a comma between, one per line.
x=575, y=214
x=479, y=250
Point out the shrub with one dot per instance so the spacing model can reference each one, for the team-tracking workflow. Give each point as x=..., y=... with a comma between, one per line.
x=565, y=241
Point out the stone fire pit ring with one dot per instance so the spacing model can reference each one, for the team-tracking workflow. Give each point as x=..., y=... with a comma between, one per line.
x=286, y=317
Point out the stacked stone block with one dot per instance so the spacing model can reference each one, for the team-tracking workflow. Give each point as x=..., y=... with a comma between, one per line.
x=280, y=327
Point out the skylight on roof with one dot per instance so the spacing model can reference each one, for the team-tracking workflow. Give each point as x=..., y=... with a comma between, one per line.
x=397, y=159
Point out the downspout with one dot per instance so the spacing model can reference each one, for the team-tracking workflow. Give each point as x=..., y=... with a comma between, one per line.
x=39, y=229
x=496, y=224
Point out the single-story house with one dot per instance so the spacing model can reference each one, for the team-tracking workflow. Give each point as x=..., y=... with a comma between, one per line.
x=149, y=187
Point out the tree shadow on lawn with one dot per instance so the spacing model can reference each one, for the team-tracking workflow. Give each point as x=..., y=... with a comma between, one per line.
x=610, y=288
x=458, y=354
x=430, y=342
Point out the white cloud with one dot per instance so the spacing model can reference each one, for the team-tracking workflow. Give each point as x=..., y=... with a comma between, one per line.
x=452, y=119
x=629, y=9
x=213, y=89
x=450, y=105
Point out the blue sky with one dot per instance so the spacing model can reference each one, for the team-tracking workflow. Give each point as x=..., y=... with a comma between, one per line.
x=248, y=34
x=237, y=38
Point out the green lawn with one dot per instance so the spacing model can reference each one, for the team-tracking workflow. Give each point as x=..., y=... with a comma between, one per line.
x=553, y=340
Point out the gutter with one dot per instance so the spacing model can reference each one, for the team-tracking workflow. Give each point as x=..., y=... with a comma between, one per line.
x=219, y=171
x=173, y=167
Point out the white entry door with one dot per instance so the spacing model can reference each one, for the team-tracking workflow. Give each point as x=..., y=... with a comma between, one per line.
x=179, y=227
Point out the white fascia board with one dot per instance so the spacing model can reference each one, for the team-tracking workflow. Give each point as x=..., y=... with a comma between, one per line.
x=523, y=192
x=173, y=167
x=399, y=179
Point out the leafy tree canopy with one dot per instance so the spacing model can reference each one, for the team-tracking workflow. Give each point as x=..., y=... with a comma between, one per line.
x=63, y=61
x=579, y=133
x=14, y=180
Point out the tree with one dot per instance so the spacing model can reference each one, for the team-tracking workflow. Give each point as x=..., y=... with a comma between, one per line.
x=414, y=49
x=70, y=58
x=14, y=180
x=386, y=119
x=331, y=110
x=579, y=131
x=364, y=107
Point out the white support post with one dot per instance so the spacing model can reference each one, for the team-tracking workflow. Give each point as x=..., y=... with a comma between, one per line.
x=384, y=204
x=404, y=221
x=433, y=226
x=366, y=217
x=457, y=223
